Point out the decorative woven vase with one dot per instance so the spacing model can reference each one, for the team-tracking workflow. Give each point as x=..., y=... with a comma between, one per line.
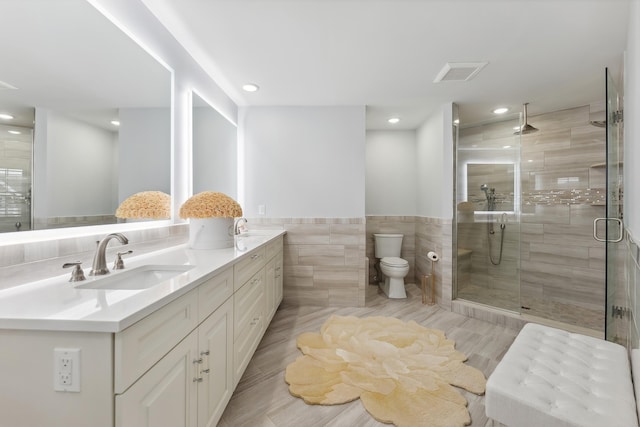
x=210, y=233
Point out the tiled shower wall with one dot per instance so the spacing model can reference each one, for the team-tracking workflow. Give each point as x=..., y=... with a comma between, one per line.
x=324, y=259
x=561, y=266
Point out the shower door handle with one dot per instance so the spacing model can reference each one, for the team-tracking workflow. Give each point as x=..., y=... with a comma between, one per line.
x=620, y=228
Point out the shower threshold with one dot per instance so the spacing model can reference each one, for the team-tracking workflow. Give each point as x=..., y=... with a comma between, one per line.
x=513, y=319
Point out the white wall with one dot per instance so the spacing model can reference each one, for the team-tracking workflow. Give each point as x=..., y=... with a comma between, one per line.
x=391, y=167
x=144, y=151
x=411, y=172
x=435, y=171
x=76, y=165
x=306, y=162
x=632, y=124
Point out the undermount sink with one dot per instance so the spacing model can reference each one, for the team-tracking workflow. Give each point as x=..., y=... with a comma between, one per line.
x=143, y=277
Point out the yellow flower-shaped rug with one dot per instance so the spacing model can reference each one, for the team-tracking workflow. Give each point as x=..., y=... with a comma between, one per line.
x=402, y=372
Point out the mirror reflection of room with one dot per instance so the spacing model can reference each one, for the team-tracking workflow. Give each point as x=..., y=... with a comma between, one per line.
x=214, y=150
x=88, y=129
x=490, y=186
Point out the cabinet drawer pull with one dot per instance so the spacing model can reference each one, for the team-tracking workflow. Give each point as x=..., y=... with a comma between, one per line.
x=196, y=361
x=198, y=380
x=255, y=256
x=204, y=353
x=205, y=371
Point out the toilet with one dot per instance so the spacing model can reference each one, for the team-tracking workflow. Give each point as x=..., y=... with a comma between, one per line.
x=394, y=268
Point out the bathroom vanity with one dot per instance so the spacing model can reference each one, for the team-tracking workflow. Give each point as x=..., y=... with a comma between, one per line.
x=170, y=354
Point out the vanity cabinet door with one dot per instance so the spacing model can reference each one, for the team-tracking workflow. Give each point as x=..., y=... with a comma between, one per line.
x=278, y=285
x=273, y=271
x=166, y=394
x=215, y=338
x=270, y=291
x=249, y=309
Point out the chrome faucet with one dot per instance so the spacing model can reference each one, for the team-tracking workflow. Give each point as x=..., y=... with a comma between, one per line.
x=99, y=267
x=237, y=227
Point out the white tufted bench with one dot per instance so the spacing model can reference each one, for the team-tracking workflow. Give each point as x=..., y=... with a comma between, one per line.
x=550, y=377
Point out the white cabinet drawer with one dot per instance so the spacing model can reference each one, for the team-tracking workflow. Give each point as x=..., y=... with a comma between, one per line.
x=141, y=345
x=273, y=248
x=214, y=292
x=249, y=303
x=250, y=265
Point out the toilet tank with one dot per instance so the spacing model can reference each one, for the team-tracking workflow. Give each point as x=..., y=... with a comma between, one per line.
x=388, y=245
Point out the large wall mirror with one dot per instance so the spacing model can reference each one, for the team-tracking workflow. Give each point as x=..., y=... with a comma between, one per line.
x=215, y=150
x=68, y=74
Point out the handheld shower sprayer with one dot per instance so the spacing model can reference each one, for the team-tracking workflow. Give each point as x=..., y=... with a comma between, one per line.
x=490, y=194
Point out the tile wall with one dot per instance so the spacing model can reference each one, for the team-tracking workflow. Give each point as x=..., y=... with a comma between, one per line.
x=421, y=235
x=324, y=259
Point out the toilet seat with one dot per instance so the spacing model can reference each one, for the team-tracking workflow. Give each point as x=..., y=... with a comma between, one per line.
x=394, y=261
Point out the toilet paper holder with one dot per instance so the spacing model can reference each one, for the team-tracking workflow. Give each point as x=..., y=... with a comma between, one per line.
x=428, y=284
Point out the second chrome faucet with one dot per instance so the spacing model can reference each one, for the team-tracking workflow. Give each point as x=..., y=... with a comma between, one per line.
x=99, y=266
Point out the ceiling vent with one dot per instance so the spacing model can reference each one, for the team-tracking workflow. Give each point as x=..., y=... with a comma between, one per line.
x=459, y=71
x=4, y=85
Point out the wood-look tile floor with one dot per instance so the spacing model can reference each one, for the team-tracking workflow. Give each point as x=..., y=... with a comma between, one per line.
x=262, y=398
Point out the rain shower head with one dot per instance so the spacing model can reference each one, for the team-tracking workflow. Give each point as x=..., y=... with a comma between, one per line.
x=484, y=187
x=526, y=127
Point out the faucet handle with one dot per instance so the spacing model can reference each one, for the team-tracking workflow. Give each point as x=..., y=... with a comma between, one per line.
x=118, y=264
x=77, y=274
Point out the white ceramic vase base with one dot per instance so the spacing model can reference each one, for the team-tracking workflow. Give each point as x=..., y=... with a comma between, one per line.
x=210, y=233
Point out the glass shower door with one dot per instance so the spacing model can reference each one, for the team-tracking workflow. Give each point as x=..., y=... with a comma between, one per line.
x=616, y=311
x=16, y=146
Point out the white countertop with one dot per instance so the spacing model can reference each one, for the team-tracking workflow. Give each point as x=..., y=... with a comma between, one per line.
x=55, y=304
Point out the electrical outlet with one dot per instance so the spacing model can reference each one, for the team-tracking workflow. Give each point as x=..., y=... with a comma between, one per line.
x=65, y=379
x=66, y=369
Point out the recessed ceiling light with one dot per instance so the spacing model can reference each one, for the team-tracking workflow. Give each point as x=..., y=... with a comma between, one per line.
x=6, y=116
x=506, y=146
x=393, y=120
x=500, y=110
x=456, y=122
x=15, y=132
x=115, y=122
x=250, y=87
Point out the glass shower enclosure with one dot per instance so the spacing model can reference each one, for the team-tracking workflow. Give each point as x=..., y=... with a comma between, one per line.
x=488, y=215
x=524, y=218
